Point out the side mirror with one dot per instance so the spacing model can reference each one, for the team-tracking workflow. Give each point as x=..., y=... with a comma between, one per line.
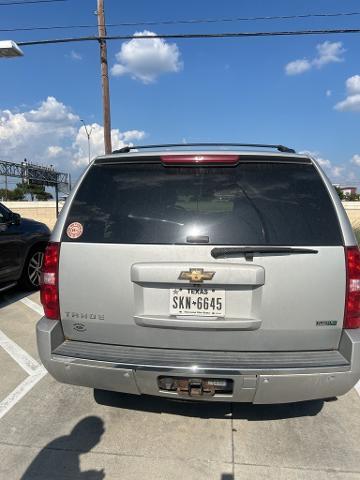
x=15, y=218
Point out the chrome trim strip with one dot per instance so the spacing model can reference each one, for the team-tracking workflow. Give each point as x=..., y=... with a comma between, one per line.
x=195, y=369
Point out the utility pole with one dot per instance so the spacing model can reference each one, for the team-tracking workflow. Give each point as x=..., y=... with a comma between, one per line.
x=104, y=76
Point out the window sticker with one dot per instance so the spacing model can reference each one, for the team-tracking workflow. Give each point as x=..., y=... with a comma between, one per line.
x=74, y=230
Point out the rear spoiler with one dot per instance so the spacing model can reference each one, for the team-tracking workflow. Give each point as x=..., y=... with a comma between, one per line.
x=212, y=158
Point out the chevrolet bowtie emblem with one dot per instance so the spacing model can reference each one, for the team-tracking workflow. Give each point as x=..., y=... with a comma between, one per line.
x=196, y=275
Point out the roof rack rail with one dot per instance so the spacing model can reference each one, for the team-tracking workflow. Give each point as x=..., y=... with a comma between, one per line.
x=280, y=148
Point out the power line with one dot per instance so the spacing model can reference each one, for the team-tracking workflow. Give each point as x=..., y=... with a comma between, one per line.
x=186, y=21
x=54, y=27
x=233, y=19
x=193, y=36
x=7, y=4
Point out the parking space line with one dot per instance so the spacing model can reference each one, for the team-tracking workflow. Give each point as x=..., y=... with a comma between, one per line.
x=34, y=370
x=33, y=305
x=18, y=354
x=21, y=390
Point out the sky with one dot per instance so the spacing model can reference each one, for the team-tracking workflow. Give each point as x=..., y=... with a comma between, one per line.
x=303, y=92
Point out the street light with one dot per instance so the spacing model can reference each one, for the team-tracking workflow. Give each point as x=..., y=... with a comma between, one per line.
x=9, y=49
x=88, y=134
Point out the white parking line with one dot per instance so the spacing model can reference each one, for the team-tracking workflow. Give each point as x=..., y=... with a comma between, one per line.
x=33, y=305
x=21, y=390
x=18, y=354
x=35, y=371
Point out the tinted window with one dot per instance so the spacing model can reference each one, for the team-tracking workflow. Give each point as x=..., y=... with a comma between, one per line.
x=251, y=204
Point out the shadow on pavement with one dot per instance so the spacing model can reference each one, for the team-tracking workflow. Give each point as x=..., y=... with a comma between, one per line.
x=258, y=413
x=13, y=295
x=200, y=409
x=60, y=458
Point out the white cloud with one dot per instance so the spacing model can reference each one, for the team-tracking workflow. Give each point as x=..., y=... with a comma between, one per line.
x=327, y=52
x=297, y=66
x=323, y=162
x=51, y=133
x=132, y=135
x=353, y=85
x=28, y=134
x=328, y=93
x=145, y=59
x=337, y=171
x=54, y=150
x=352, y=101
x=51, y=110
x=356, y=160
x=75, y=56
x=333, y=171
x=119, y=139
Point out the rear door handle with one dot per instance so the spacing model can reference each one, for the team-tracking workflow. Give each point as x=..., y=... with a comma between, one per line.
x=158, y=321
x=224, y=273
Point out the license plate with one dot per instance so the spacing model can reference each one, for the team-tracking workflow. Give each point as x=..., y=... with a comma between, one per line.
x=206, y=302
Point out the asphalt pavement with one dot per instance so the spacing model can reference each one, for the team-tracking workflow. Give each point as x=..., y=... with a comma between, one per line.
x=51, y=431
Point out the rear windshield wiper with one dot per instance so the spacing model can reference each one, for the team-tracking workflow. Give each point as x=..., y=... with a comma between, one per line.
x=249, y=252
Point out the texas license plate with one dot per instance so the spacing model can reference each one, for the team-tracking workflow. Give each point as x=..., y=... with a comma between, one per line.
x=206, y=302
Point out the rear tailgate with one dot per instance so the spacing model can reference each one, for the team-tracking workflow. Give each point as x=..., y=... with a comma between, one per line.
x=142, y=271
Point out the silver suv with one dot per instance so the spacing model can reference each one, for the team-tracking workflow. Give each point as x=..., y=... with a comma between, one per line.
x=210, y=273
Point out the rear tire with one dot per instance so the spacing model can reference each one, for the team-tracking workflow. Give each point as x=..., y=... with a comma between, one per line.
x=30, y=278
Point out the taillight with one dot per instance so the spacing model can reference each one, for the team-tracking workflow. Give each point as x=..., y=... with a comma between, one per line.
x=352, y=303
x=211, y=159
x=49, y=293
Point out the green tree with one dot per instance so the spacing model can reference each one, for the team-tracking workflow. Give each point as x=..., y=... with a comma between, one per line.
x=16, y=194
x=35, y=191
x=340, y=193
x=352, y=197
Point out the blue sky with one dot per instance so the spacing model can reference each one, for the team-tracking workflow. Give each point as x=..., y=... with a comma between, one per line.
x=199, y=90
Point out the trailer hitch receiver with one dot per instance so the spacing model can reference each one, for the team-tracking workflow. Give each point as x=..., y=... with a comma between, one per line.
x=195, y=387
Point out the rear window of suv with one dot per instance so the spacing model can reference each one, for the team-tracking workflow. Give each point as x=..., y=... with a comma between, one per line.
x=272, y=203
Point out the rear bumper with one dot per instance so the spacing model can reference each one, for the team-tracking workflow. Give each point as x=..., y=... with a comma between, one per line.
x=258, y=377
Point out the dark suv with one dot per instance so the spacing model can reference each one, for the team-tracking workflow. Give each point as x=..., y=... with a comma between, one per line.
x=22, y=243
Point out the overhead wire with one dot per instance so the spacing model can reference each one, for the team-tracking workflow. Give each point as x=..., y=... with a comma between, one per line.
x=193, y=36
x=20, y=2
x=183, y=21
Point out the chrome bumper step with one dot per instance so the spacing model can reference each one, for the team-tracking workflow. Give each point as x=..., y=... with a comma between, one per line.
x=133, y=357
